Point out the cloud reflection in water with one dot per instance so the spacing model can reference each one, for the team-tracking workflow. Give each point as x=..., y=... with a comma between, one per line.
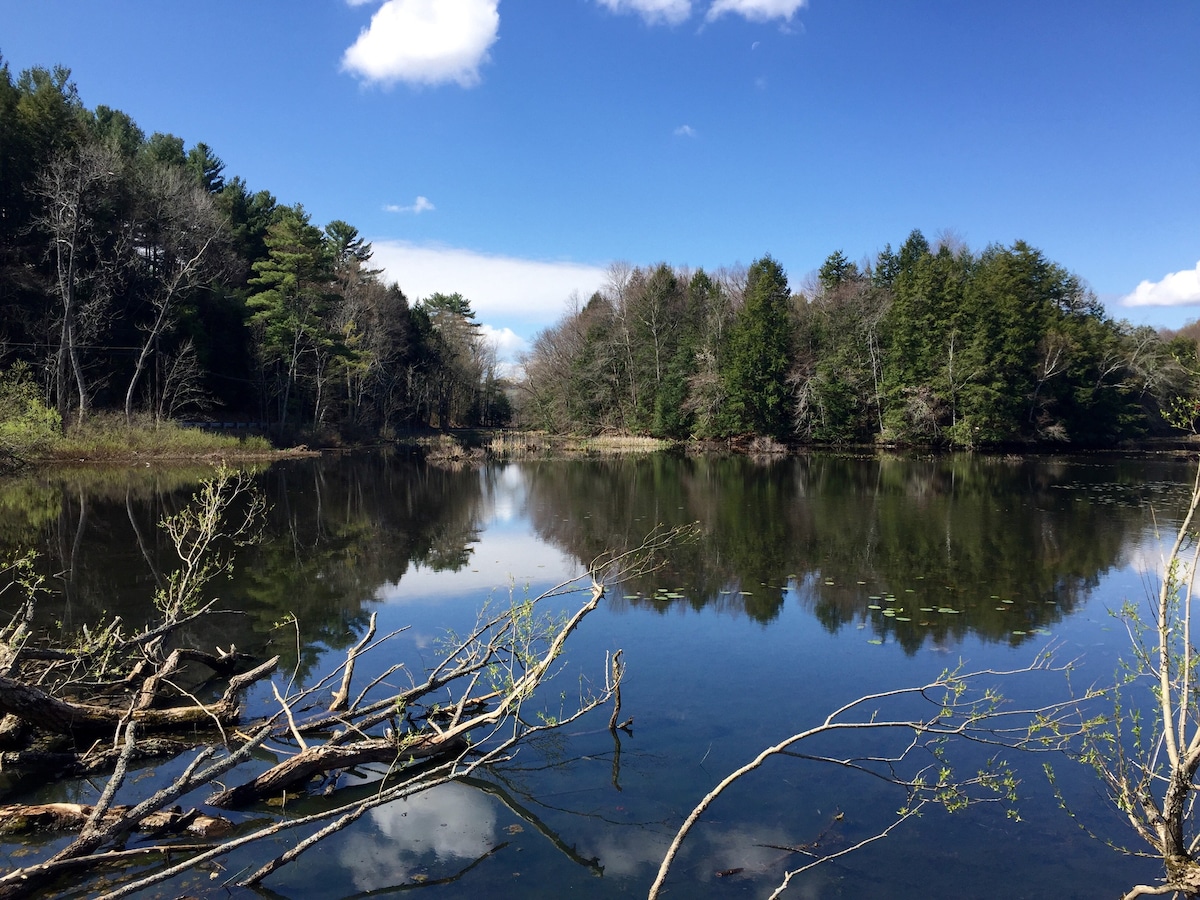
x=455, y=823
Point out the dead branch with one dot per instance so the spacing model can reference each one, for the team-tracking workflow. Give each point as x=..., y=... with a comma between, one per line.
x=298, y=770
x=87, y=764
x=49, y=713
x=490, y=675
x=342, y=697
x=954, y=713
x=29, y=880
x=30, y=818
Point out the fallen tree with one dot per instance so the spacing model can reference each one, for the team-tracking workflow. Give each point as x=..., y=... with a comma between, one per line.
x=111, y=699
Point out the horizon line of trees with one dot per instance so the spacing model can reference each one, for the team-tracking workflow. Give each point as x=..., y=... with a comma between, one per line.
x=136, y=277
x=932, y=345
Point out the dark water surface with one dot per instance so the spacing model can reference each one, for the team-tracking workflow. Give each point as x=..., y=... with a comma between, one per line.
x=816, y=580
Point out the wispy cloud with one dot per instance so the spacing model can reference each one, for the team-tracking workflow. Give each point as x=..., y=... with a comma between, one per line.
x=1176, y=289
x=755, y=10
x=425, y=42
x=686, y=131
x=505, y=291
x=671, y=12
x=418, y=206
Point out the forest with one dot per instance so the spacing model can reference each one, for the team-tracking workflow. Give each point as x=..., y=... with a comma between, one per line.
x=138, y=280
x=927, y=345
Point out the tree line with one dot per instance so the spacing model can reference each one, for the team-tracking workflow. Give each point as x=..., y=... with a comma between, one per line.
x=927, y=344
x=136, y=277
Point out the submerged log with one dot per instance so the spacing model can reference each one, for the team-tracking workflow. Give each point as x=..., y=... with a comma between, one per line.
x=32, y=880
x=27, y=818
x=83, y=765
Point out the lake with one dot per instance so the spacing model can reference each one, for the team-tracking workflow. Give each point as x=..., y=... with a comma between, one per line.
x=814, y=580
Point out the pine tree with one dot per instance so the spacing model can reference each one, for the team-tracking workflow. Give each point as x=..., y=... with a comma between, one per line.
x=293, y=283
x=758, y=362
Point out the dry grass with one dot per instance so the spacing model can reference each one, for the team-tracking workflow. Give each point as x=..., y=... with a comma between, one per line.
x=109, y=438
x=534, y=444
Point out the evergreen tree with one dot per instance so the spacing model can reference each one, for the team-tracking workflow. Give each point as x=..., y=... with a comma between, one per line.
x=205, y=168
x=758, y=361
x=292, y=292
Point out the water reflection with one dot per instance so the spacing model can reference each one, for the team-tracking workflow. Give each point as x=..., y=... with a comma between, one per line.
x=920, y=552
x=441, y=827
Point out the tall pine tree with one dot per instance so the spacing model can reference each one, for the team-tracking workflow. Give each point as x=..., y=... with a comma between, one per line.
x=758, y=361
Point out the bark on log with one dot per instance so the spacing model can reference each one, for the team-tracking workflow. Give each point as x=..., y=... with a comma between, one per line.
x=23, y=818
x=44, y=711
x=298, y=770
x=49, y=713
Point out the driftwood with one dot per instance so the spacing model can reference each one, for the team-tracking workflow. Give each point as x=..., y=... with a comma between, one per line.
x=117, y=699
x=44, y=711
x=298, y=770
x=86, y=764
x=30, y=818
x=30, y=880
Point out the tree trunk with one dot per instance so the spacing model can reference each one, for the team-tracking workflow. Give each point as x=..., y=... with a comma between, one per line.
x=317, y=760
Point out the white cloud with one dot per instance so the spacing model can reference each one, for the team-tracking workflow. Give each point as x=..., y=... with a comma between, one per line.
x=653, y=11
x=756, y=10
x=534, y=293
x=1176, y=289
x=425, y=42
x=420, y=205
x=685, y=131
x=507, y=342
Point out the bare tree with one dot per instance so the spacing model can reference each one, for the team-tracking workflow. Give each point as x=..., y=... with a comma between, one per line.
x=181, y=383
x=73, y=189
x=181, y=243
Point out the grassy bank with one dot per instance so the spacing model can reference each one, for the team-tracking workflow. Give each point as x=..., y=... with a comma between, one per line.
x=111, y=439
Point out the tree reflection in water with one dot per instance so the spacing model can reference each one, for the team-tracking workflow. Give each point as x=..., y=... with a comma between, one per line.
x=809, y=539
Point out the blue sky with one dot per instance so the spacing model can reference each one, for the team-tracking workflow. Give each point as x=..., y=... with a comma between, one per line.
x=513, y=150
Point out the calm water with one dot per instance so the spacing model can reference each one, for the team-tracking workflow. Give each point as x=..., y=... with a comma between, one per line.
x=770, y=626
